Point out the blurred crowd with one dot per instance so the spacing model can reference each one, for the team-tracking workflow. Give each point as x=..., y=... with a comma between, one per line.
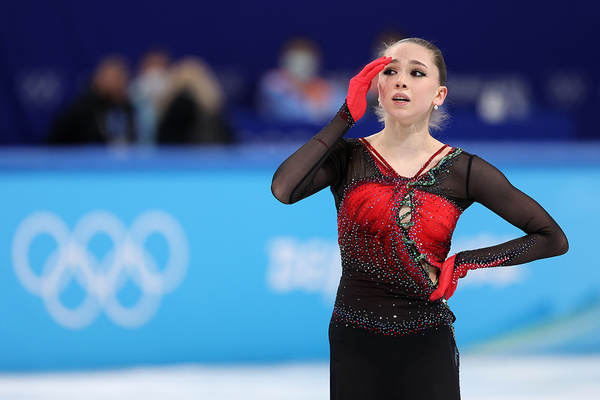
x=168, y=101
x=182, y=101
x=164, y=102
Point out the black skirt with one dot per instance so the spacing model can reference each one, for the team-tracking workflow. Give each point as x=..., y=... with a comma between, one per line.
x=372, y=366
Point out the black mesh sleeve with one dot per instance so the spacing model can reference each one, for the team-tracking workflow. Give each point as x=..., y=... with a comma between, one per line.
x=306, y=172
x=543, y=237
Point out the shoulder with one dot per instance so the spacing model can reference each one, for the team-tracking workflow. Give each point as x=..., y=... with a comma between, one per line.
x=454, y=157
x=348, y=143
x=345, y=149
x=458, y=163
x=467, y=158
x=476, y=162
x=482, y=176
x=349, y=156
x=472, y=164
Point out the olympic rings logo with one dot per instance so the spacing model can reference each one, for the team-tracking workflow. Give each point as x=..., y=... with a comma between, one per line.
x=129, y=259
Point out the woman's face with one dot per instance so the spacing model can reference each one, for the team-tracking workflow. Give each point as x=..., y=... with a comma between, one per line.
x=409, y=85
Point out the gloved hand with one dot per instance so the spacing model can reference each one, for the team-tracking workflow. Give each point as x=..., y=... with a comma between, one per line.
x=360, y=84
x=447, y=280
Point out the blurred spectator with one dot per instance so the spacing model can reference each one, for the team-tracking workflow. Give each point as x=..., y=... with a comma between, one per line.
x=295, y=91
x=194, y=106
x=103, y=113
x=147, y=91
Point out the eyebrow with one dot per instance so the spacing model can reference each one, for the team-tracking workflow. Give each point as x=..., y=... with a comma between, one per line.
x=417, y=62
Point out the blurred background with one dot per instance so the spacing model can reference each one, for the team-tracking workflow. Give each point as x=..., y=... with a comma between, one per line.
x=143, y=253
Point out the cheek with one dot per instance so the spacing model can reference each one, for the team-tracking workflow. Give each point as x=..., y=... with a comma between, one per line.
x=381, y=84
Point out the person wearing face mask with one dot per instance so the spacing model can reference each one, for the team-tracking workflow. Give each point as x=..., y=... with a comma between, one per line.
x=295, y=91
x=399, y=194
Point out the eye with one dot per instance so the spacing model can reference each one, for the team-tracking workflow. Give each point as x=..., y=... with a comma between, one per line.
x=418, y=73
x=389, y=71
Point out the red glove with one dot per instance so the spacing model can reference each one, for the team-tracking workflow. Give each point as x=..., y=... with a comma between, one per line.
x=451, y=273
x=447, y=281
x=360, y=84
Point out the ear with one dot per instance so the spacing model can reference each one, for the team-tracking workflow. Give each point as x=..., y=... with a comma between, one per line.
x=438, y=100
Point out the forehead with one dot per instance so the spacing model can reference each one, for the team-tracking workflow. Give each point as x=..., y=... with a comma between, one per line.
x=410, y=51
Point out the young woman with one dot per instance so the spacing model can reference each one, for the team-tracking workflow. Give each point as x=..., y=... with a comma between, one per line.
x=399, y=194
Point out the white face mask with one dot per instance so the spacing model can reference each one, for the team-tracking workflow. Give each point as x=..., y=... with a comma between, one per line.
x=301, y=63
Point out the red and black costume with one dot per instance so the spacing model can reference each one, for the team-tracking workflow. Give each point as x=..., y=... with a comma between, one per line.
x=388, y=339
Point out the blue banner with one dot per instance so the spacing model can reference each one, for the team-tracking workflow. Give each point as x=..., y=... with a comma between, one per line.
x=112, y=259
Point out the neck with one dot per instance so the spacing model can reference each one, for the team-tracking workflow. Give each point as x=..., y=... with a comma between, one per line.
x=407, y=140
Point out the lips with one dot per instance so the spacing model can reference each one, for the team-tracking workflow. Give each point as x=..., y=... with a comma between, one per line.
x=400, y=98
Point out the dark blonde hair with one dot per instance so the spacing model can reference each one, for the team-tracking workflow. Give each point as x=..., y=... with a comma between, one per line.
x=438, y=118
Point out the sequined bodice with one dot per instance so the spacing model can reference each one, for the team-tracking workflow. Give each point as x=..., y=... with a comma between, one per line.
x=387, y=225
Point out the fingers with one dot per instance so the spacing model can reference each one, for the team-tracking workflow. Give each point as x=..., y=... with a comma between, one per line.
x=452, y=283
x=437, y=294
x=445, y=285
x=441, y=289
x=451, y=289
x=360, y=84
x=374, y=67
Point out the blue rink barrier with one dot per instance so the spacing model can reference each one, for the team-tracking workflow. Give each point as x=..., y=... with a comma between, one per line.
x=114, y=258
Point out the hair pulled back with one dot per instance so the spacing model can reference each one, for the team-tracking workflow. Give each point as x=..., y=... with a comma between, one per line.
x=438, y=118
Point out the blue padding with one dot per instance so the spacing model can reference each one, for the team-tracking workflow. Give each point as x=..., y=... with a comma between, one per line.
x=117, y=258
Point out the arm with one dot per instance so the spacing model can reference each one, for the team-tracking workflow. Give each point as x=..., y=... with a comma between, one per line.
x=543, y=237
x=306, y=171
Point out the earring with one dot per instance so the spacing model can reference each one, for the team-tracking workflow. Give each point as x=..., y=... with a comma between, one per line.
x=435, y=107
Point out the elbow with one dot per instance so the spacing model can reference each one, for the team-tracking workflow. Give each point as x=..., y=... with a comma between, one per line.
x=563, y=245
x=557, y=244
x=280, y=193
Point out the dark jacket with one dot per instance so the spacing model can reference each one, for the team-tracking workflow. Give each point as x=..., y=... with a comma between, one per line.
x=94, y=119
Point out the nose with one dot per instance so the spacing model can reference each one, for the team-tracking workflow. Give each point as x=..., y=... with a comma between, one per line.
x=400, y=81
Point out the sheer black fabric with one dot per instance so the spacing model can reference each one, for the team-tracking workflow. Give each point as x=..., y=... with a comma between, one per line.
x=327, y=160
x=384, y=325
x=303, y=173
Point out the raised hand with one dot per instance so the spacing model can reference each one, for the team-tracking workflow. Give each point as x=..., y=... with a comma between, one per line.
x=360, y=84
